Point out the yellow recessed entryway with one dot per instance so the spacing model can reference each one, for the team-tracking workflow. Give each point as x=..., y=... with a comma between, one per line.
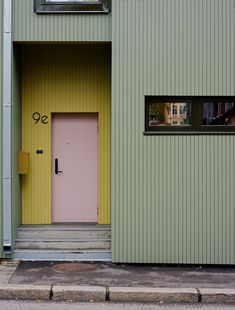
x=62, y=78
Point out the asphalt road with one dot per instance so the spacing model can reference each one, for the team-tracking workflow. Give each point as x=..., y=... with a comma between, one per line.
x=21, y=305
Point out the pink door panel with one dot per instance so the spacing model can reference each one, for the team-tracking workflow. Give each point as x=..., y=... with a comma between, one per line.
x=75, y=168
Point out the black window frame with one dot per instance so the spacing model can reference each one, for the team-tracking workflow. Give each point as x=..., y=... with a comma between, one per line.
x=45, y=7
x=197, y=127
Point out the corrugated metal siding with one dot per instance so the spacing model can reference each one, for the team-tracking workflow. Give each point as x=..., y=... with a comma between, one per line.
x=16, y=138
x=59, y=79
x=1, y=36
x=29, y=26
x=172, y=196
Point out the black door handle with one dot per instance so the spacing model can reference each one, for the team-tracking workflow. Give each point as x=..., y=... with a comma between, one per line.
x=57, y=166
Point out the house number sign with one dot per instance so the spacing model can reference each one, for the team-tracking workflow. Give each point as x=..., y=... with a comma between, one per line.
x=38, y=117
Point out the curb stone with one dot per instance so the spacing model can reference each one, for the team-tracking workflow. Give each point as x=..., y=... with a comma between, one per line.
x=213, y=295
x=24, y=291
x=116, y=294
x=150, y=294
x=78, y=293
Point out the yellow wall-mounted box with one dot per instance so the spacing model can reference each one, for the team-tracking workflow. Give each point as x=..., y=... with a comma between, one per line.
x=23, y=163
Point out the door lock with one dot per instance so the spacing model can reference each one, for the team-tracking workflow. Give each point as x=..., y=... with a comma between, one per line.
x=57, y=166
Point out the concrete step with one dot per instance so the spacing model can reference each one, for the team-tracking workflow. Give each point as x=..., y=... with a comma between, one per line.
x=63, y=232
x=63, y=242
x=72, y=244
x=63, y=255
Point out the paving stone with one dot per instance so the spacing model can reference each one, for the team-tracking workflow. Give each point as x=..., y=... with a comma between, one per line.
x=7, y=269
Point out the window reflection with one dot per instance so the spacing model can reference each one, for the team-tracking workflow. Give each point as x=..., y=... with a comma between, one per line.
x=70, y=1
x=170, y=114
x=219, y=113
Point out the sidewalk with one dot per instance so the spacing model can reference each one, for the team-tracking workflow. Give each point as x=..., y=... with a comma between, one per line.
x=60, y=281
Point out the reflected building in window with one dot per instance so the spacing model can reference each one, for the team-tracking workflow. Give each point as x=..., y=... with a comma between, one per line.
x=178, y=114
x=219, y=113
x=170, y=114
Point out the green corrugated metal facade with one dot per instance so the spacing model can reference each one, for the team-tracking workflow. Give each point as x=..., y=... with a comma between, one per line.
x=29, y=26
x=172, y=196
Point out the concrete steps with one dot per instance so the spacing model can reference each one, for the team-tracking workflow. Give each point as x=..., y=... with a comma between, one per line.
x=59, y=255
x=58, y=232
x=54, y=244
x=63, y=242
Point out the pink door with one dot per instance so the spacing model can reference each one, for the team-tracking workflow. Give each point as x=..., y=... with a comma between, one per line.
x=74, y=164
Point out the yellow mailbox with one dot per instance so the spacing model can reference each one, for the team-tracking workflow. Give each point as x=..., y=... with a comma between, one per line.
x=23, y=163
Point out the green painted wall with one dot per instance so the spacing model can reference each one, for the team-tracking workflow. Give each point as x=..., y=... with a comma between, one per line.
x=29, y=26
x=172, y=196
x=1, y=38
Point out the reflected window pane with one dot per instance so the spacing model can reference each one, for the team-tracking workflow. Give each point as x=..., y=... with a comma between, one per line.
x=218, y=113
x=69, y=1
x=170, y=114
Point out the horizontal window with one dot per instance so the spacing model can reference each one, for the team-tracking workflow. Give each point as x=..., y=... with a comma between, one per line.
x=189, y=115
x=72, y=6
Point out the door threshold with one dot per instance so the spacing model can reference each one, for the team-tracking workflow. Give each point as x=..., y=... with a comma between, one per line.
x=75, y=224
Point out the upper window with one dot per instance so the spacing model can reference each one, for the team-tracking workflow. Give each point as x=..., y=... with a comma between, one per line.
x=72, y=6
x=189, y=114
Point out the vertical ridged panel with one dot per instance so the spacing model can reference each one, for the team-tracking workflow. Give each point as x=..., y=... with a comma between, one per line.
x=172, y=196
x=1, y=68
x=29, y=26
x=16, y=138
x=63, y=78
